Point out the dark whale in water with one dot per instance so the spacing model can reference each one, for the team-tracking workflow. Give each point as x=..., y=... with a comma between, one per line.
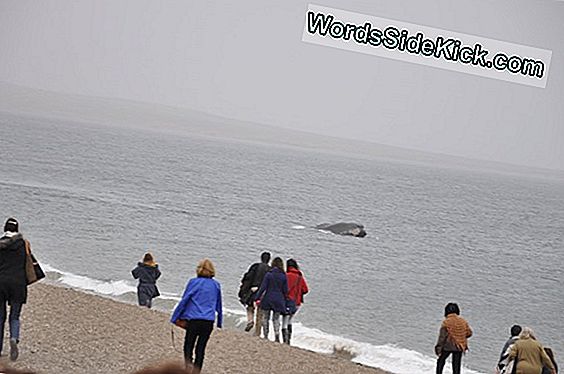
x=343, y=228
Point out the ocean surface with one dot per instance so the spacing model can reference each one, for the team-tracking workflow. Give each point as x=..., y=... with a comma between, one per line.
x=93, y=199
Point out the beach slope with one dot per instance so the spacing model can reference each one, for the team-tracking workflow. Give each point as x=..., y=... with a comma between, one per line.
x=67, y=331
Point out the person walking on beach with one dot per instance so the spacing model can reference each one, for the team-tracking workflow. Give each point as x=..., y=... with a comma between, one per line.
x=504, y=366
x=198, y=307
x=147, y=272
x=529, y=354
x=272, y=296
x=297, y=288
x=453, y=339
x=13, y=282
x=250, y=284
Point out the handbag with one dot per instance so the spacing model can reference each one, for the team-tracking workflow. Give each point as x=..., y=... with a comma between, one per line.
x=33, y=271
x=291, y=306
x=182, y=323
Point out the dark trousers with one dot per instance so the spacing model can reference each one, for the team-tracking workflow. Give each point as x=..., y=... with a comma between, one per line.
x=198, y=332
x=456, y=362
x=14, y=318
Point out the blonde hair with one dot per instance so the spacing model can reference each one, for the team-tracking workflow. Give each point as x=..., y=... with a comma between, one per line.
x=527, y=333
x=205, y=269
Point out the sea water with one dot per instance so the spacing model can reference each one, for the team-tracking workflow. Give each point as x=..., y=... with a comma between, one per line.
x=94, y=199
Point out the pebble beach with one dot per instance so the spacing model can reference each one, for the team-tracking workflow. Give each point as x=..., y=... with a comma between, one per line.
x=67, y=331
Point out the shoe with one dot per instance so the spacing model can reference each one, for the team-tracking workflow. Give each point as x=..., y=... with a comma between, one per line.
x=277, y=338
x=14, y=350
x=249, y=326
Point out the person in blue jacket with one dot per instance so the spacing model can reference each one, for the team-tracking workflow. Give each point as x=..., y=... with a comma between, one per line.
x=272, y=294
x=198, y=306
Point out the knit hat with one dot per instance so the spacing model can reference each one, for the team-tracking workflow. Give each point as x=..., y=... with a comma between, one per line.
x=11, y=225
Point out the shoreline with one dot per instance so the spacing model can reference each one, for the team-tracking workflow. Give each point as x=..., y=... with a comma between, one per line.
x=66, y=330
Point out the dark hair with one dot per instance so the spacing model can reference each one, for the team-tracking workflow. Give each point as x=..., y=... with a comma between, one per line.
x=11, y=225
x=165, y=368
x=291, y=263
x=265, y=257
x=516, y=330
x=452, y=308
x=278, y=263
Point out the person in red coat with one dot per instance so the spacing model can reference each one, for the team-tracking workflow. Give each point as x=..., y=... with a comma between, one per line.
x=297, y=288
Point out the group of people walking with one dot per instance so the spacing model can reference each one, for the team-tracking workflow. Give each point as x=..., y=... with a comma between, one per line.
x=266, y=288
x=521, y=354
x=272, y=293
x=269, y=291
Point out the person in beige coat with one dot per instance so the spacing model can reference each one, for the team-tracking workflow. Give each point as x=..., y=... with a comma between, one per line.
x=530, y=354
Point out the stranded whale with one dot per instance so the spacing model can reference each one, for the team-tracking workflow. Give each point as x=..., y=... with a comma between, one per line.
x=343, y=228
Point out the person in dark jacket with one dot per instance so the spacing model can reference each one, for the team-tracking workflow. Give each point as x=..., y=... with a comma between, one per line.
x=247, y=292
x=297, y=288
x=504, y=366
x=147, y=272
x=13, y=282
x=453, y=339
x=198, y=307
x=272, y=296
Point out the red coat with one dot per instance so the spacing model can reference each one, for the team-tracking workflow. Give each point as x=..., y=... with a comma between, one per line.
x=297, y=286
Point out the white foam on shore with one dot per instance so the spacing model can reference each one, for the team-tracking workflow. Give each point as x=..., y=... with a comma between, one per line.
x=387, y=357
x=108, y=288
x=298, y=227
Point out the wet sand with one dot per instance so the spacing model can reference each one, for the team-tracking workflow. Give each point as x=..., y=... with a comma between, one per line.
x=66, y=331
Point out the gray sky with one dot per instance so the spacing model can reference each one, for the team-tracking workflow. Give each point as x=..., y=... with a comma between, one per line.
x=246, y=60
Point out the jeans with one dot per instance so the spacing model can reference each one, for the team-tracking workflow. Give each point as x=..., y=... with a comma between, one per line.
x=200, y=330
x=14, y=320
x=275, y=322
x=456, y=362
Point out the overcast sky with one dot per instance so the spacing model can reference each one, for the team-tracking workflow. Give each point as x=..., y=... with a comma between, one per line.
x=246, y=60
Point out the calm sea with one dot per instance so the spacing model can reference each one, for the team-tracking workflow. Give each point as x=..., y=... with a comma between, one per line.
x=93, y=199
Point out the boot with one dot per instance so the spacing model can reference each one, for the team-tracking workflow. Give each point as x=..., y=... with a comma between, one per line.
x=285, y=336
x=13, y=349
x=289, y=334
x=277, y=338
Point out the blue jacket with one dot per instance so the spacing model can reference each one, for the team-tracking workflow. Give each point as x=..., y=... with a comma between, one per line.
x=273, y=291
x=201, y=300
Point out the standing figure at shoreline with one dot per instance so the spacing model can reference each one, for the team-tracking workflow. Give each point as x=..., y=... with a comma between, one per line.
x=504, y=366
x=247, y=292
x=198, y=307
x=13, y=282
x=453, y=339
x=272, y=296
x=530, y=354
x=147, y=272
x=297, y=288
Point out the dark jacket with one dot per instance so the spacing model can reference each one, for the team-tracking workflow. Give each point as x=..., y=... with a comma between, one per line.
x=273, y=291
x=13, y=281
x=252, y=278
x=147, y=276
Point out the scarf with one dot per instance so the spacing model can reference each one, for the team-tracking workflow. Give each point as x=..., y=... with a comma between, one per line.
x=458, y=331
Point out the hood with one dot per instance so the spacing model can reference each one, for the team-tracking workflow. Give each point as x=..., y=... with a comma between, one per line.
x=7, y=241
